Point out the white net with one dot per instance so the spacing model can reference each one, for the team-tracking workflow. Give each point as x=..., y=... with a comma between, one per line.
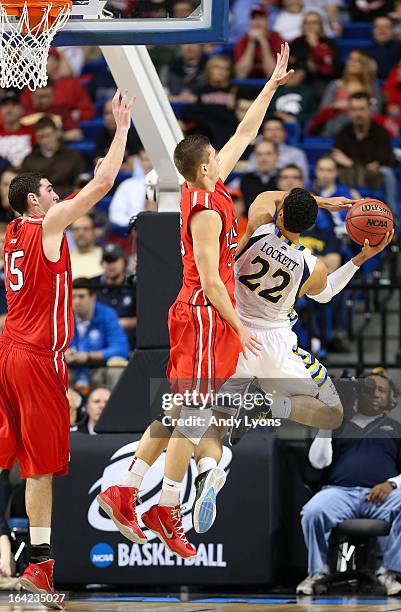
x=24, y=49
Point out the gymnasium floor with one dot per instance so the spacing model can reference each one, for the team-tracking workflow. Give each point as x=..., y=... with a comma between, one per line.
x=113, y=603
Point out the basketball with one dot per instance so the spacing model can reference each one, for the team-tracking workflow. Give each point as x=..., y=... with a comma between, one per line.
x=369, y=218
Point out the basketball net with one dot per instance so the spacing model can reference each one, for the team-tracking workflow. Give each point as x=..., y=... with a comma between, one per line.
x=25, y=44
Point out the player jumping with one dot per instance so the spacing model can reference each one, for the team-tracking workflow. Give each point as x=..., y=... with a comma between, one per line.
x=206, y=334
x=272, y=269
x=34, y=409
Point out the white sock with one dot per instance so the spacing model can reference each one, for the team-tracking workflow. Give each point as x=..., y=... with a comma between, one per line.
x=135, y=474
x=281, y=407
x=40, y=535
x=170, y=495
x=205, y=464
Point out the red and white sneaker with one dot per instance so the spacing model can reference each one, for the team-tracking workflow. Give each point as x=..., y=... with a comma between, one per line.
x=119, y=503
x=38, y=579
x=166, y=523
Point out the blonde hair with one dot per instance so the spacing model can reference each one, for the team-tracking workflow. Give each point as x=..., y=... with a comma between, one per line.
x=368, y=75
x=321, y=34
x=213, y=61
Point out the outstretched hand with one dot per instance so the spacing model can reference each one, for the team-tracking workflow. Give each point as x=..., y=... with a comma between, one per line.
x=368, y=251
x=122, y=107
x=280, y=75
x=335, y=204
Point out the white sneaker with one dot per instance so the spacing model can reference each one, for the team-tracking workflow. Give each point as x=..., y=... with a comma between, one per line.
x=390, y=583
x=306, y=587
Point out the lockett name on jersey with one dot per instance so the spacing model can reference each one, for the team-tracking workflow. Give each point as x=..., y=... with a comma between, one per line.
x=279, y=256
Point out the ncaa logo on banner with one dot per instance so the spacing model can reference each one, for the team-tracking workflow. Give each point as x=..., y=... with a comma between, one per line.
x=102, y=555
x=150, y=491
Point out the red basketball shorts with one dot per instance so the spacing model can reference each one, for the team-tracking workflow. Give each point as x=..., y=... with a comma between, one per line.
x=34, y=410
x=204, y=348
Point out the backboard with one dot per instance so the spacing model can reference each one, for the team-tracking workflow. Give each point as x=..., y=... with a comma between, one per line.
x=130, y=22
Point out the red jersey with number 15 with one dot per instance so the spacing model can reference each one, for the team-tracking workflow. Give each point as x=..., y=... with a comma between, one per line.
x=193, y=201
x=38, y=291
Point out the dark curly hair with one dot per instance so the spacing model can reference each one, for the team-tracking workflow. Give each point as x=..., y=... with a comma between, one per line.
x=299, y=210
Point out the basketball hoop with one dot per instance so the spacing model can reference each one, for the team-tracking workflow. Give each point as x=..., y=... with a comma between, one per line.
x=27, y=28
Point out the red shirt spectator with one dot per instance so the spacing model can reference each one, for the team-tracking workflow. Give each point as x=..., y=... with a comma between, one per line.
x=16, y=140
x=255, y=53
x=68, y=92
x=43, y=103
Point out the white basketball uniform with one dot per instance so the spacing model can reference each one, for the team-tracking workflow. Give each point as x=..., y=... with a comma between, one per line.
x=270, y=272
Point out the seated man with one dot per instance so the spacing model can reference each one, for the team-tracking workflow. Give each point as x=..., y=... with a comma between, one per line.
x=362, y=479
x=98, y=337
x=116, y=291
x=363, y=151
x=97, y=400
x=86, y=260
x=274, y=130
x=265, y=175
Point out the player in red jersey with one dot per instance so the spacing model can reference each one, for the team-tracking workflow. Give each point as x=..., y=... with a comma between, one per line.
x=206, y=335
x=34, y=408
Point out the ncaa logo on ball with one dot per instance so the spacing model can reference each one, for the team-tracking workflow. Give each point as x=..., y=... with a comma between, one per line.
x=102, y=555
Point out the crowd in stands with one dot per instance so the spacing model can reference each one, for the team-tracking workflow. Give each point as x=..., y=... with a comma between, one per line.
x=334, y=128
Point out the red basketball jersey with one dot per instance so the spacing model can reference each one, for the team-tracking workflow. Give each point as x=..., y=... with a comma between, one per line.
x=38, y=291
x=192, y=201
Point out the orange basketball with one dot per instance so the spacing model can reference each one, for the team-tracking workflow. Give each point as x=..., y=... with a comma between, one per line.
x=369, y=218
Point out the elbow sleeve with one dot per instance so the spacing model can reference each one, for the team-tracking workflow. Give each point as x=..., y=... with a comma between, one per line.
x=336, y=281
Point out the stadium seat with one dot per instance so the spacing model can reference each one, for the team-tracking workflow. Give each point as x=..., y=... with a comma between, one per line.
x=357, y=31
x=316, y=147
x=346, y=46
x=90, y=128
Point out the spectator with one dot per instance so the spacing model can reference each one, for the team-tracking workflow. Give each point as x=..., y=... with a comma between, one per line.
x=182, y=9
x=368, y=9
x=289, y=177
x=42, y=103
x=87, y=257
x=391, y=119
x=241, y=12
x=289, y=22
x=358, y=76
x=7, y=214
x=96, y=403
x=327, y=184
x=213, y=112
x=76, y=402
x=329, y=11
x=105, y=136
x=60, y=164
x=239, y=206
x=3, y=301
x=315, y=51
x=118, y=291
x=16, y=140
x=386, y=50
x=361, y=480
x=186, y=72
x=69, y=95
x=129, y=198
x=363, y=151
x=274, y=130
x=264, y=177
x=243, y=101
x=255, y=53
x=98, y=337
x=294, y=101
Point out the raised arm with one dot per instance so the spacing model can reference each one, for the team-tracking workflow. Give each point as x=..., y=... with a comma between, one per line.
x=249, y=127
x=62, y=214
x=322, y=287
x=261, y=211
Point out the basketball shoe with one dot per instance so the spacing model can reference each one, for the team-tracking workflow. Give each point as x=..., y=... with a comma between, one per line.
x=166, y=523
x=119, y=503
x=247, y=415
x=207, y=485
x=38, y=579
